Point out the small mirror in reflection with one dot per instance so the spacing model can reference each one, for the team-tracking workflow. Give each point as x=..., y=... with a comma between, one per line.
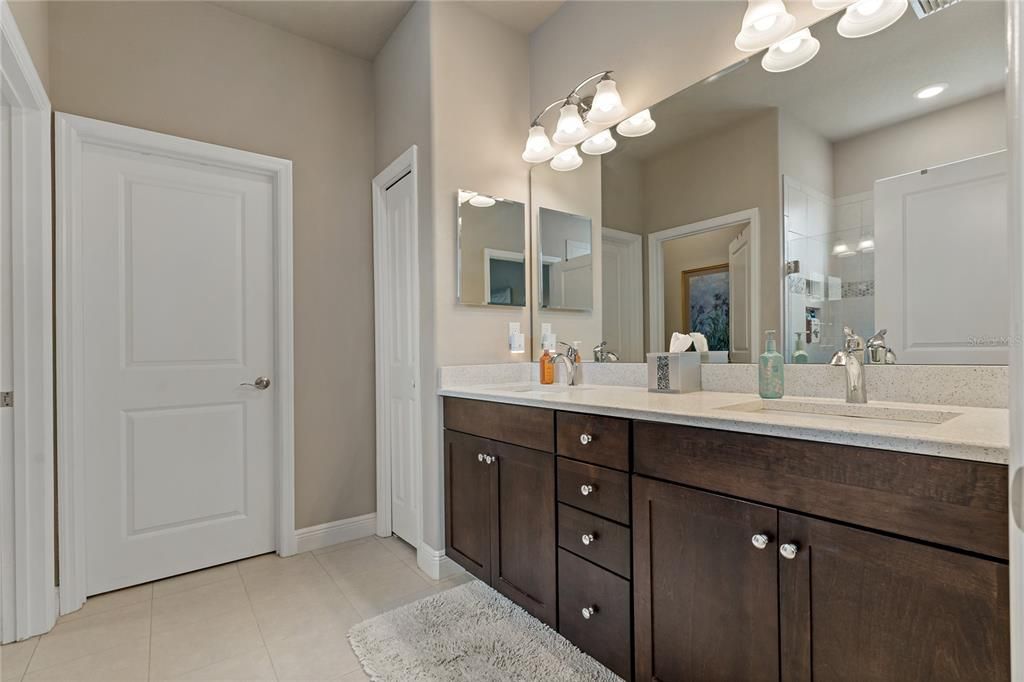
x=492, y=250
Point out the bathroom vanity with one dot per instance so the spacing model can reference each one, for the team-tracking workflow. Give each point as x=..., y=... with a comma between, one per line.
x=673, y=545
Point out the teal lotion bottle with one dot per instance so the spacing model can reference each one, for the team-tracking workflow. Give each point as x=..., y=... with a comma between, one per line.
x=769, y=371
x=800, y=354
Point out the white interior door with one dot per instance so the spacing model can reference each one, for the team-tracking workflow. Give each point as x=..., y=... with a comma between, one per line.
x=622, y=307
x=572, y=283
x=398, y=242
x=7, y=597
x=177, y=312
x=741, y=293
x=941, y=263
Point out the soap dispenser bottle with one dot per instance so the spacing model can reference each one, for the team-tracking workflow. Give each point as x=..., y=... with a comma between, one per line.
x=769, y=371
x=800, y=351
x=547, y=368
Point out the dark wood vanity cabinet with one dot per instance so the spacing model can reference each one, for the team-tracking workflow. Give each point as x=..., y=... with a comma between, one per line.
x=680, y=553
x=500, y=504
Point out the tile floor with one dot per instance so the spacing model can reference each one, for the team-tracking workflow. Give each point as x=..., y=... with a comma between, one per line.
x=264, y=618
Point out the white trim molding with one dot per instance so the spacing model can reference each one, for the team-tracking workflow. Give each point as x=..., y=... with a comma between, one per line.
x=656, y=269
x=434, y=563
x=28, y=599
x=71, y=134
x=406, y=164
x=335, y=532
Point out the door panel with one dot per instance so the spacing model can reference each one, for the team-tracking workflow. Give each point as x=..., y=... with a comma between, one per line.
x=523, y=531
x=177, y=264
x=705, y=599
x=398, y=294
x=741, y=293
x=880, y=608
x=467, y=503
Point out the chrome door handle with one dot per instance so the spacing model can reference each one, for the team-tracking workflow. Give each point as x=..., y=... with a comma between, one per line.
x=261, y=383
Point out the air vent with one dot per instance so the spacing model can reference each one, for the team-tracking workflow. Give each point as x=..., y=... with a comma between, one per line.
x=924, y=8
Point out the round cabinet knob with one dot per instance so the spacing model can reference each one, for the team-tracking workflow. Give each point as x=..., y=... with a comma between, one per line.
x=489, y=459
x=588, y=539
x=789, y=550
x=479, y=456
x=585, y=439
x=586, y=489
x=760, y=541
x=589, y=611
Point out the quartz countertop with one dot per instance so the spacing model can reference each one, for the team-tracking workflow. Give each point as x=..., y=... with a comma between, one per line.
x=975, y=433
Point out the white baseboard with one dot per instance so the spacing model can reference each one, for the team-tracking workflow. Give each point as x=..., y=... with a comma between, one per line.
x=327, y=534
x=435, y=564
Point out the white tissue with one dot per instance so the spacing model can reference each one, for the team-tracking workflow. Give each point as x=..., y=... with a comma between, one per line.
x=679, y=343
x=700, y=342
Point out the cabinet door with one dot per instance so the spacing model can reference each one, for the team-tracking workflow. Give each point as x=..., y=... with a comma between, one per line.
x=523, y=531
x=705, y=597
x=861, y=606
x=467, y=503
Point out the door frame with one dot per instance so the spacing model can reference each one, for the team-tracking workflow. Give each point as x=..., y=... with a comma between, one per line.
x=71, y=133
x=634, y=246
x=656, y=269
x=27, y=545
x=406, y=164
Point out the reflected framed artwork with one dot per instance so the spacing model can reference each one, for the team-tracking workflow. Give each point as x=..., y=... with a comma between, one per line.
x=705, y=297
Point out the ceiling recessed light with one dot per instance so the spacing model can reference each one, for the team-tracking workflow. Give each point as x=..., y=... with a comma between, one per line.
x=930, y=91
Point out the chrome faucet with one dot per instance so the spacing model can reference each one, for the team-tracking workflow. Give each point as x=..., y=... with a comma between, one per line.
x=851, y=356
x=602, y=355
x=877, y=352
x=572, y=374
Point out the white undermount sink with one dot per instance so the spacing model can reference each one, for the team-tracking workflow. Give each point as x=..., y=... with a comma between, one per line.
x=922, y=415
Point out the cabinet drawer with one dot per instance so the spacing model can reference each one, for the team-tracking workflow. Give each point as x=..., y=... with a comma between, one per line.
x=595, y=489
x=530, y=427
x=607, y=543
x=605, y=633
x=598, y=440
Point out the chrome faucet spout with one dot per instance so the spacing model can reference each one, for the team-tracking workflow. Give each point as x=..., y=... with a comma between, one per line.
x=571, y=375
x=851, y=357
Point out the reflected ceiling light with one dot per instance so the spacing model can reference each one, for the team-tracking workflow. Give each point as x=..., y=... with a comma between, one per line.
x=792, y=52
x=765, y=22
x=570, y=128
x=602, y=143
x=607, y=105
x=930, y=91
x=538, y=146
x=866, y=17
x=465, y=195
x=482, y=201
x=830, y=5
x=568, y=160
x=866, y=245
x=637, y=125
x=842, y=250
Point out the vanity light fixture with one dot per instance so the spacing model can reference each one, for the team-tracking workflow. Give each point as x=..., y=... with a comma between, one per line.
x=637, y=125
x=765, y=23
x=538, y=146
x=830, y=5
x=841, y=250
x=930, y=91
x=792, y=52
x=602, y=143
x=570, y=128
x=482, y=201
x=465, y=195
x=866, y=17
x=568, y=160
x=866, y=245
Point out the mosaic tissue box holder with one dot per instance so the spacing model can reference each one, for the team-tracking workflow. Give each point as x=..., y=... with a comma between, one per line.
x=673, y=372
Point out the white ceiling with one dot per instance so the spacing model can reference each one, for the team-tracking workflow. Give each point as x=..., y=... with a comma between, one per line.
x=361, y=27
x=852, y=86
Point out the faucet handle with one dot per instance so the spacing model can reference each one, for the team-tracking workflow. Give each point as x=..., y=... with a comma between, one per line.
x=570, y=350
x=878, y=340
x=853, y=341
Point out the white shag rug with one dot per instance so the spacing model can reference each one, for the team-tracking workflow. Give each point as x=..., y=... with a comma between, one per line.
x=469, y=632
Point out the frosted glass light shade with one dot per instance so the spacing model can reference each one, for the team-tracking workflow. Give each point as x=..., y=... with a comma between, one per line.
x=602, y=143
x=568, y=160
x=465, y=195
x=607, y=105
x=570, y=129
x=865, y=17
x=829, y=5
x=637, y=125
x=538, y=146
x=482, y=201
x=765, y=23
x=866, y=245
x=790, y=53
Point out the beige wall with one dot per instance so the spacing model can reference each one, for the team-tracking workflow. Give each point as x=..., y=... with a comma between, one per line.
x=702, y=250
x=804, y=154
x=33, y=24
x=958, y=132
x=199, y=71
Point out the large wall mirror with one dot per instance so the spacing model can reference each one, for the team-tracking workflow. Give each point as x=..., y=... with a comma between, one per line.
x=492, y=250
x=866, y=189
